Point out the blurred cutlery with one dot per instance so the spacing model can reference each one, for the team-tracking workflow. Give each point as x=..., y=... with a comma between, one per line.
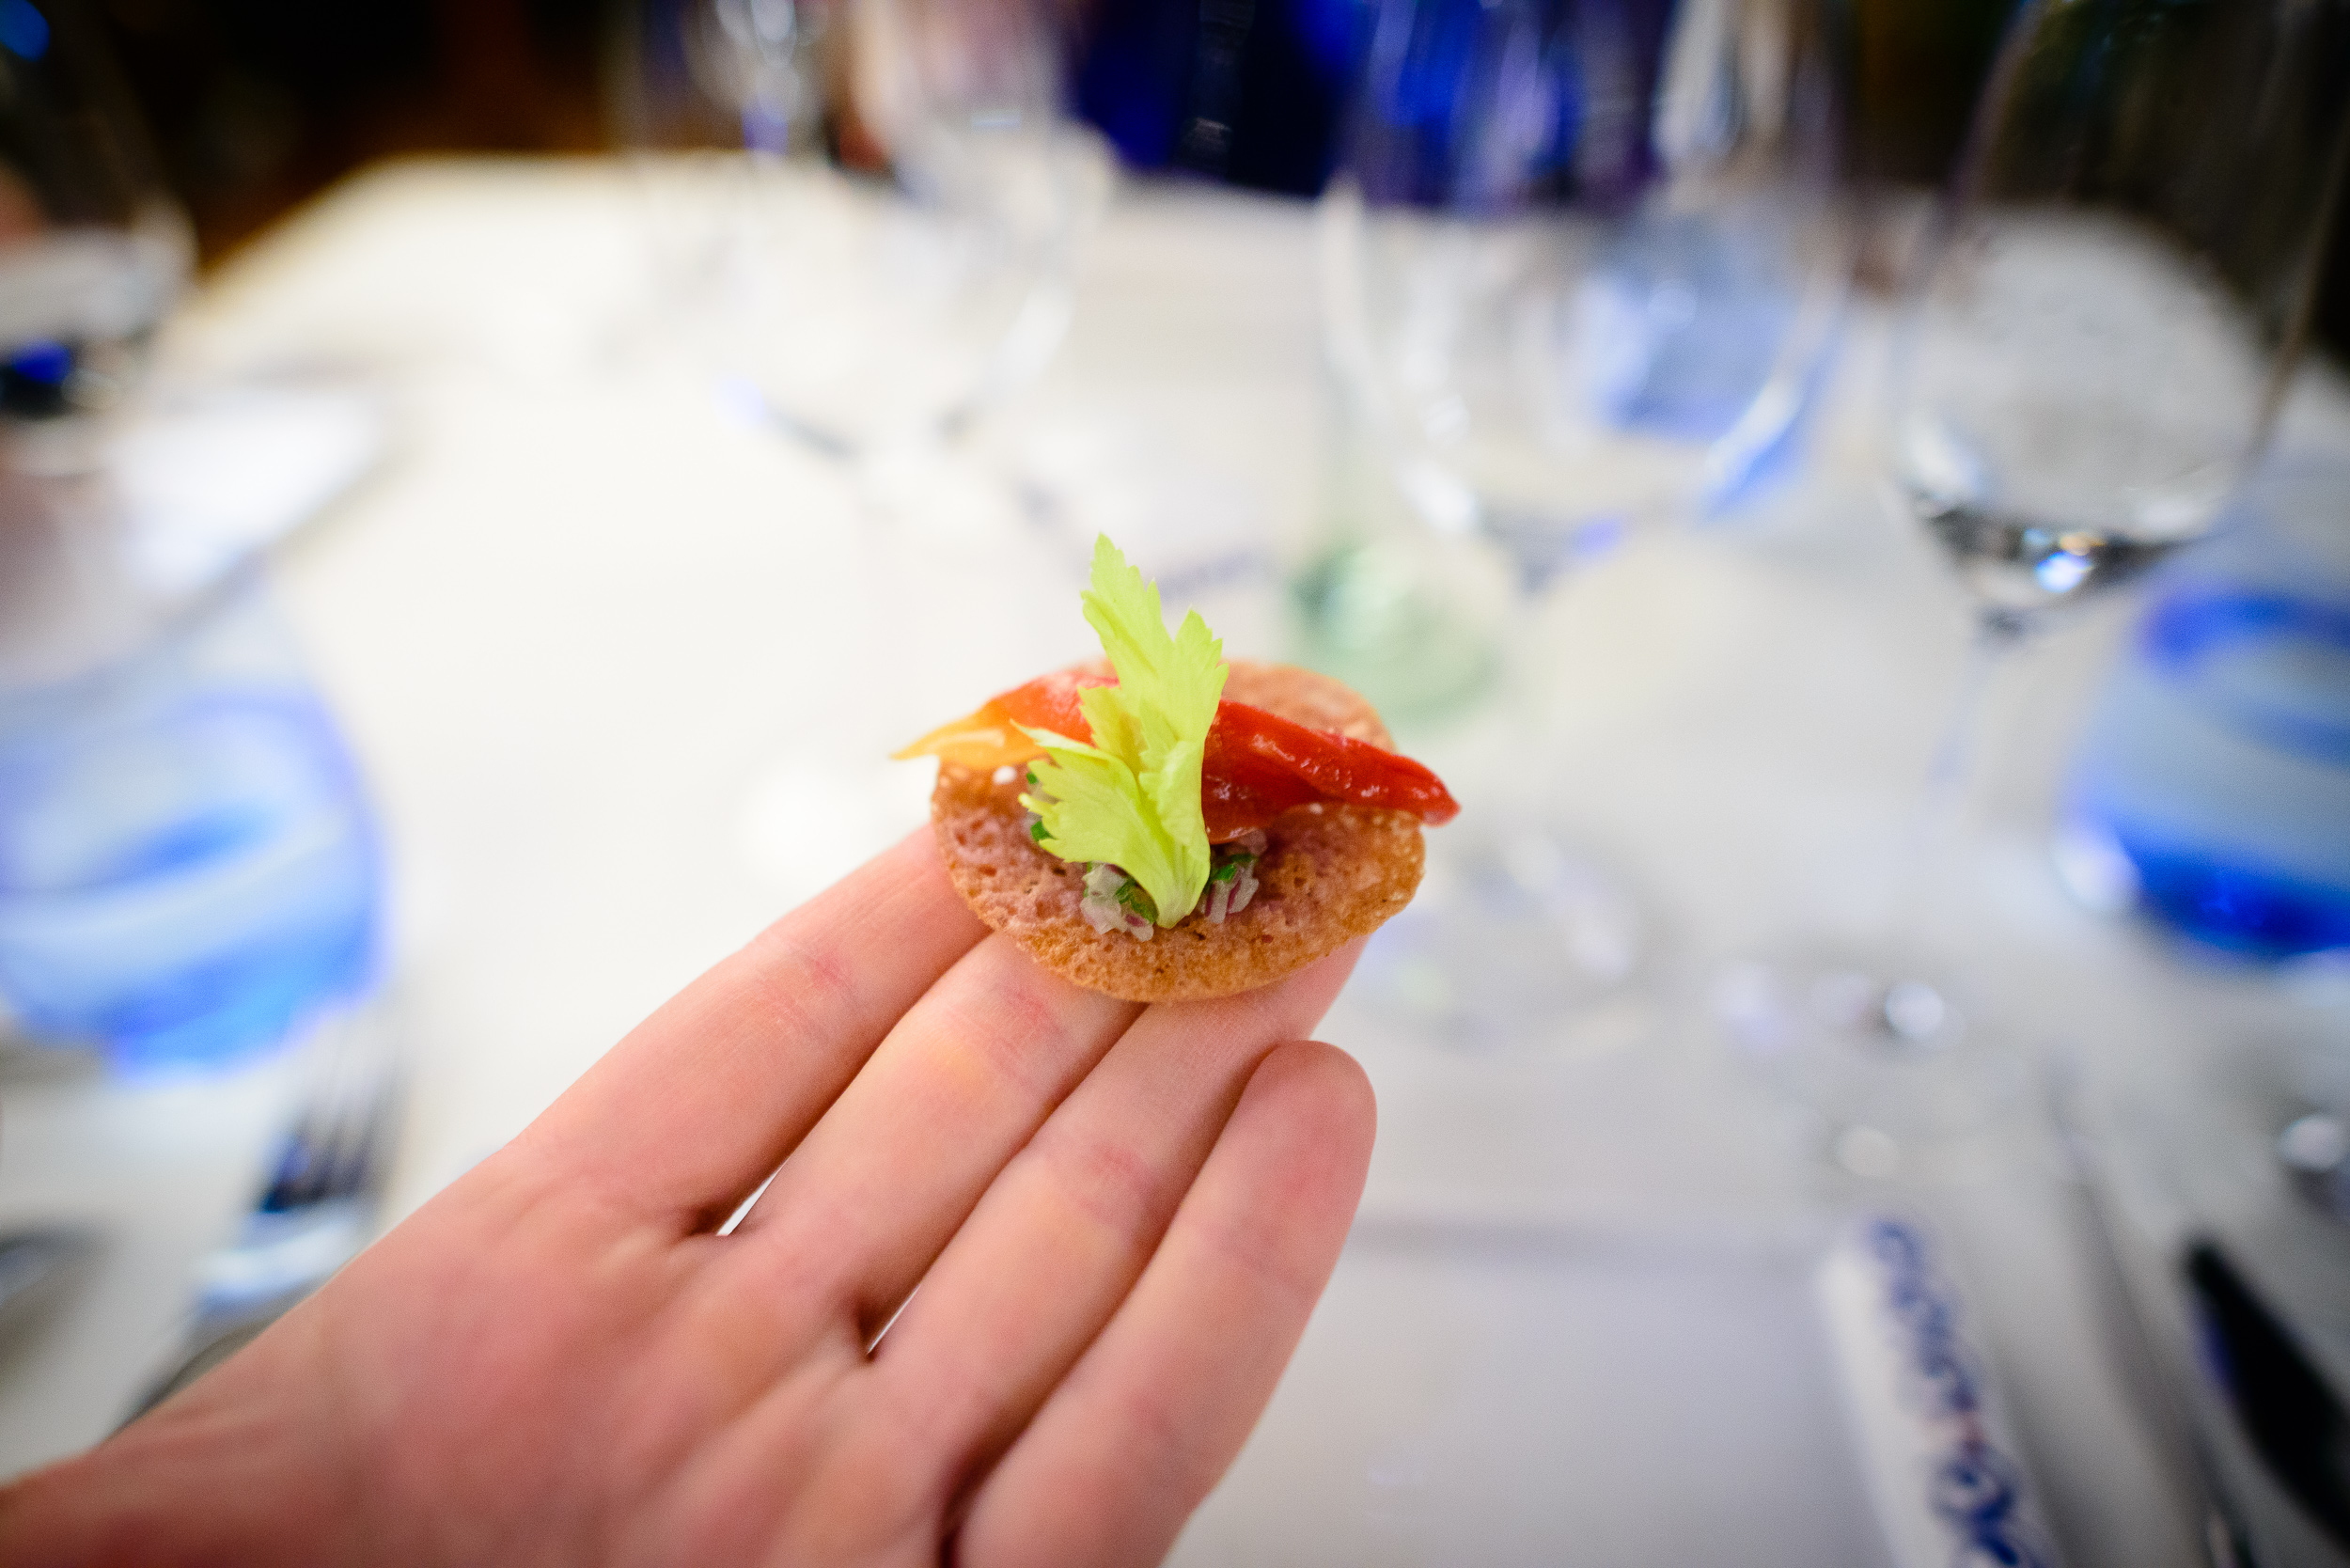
x=318, y=1208
x=32, y=1262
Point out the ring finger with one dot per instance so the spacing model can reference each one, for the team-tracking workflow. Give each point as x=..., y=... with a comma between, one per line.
x=1065, y=1230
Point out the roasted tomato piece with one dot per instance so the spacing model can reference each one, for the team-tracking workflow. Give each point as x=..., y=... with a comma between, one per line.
x=1260, y=764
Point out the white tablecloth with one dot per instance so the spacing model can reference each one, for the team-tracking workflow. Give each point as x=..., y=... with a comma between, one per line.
x=598, y=647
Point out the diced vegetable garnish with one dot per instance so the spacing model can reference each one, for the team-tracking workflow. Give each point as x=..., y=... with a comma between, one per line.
x=1113, y=901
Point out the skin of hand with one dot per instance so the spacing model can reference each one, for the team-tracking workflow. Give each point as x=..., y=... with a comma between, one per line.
x=1119, y=1218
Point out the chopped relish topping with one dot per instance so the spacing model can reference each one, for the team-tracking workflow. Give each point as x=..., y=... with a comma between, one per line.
x=1113, y=901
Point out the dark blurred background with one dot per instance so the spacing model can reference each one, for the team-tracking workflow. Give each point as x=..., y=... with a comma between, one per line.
x=258, y=104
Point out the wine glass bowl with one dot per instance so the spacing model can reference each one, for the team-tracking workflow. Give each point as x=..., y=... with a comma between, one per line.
x=2081, y=400
x=1579, y=268
x=2109, y=311
x=1576, y=261
x=880, y=237
x=2089, y=358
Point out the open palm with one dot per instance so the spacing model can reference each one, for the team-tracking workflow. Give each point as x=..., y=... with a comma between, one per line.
x=1118, y=1219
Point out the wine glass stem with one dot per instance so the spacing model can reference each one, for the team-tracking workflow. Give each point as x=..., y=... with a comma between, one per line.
x=1528, y=707
x=1921, y=867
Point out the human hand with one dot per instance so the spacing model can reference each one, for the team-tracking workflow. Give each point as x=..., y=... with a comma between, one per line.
x=1119, y=1219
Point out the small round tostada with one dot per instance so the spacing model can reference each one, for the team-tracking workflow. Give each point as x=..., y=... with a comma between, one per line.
x=1161, y=825
x=1330, y=872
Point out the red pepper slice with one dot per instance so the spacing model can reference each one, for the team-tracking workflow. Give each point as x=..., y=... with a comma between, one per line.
x=1258, y=764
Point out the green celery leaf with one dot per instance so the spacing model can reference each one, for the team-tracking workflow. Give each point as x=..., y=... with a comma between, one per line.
x=1131, y=798
x=1096, y=811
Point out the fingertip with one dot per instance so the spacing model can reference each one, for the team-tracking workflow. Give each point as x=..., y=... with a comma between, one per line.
x=1324, y=1076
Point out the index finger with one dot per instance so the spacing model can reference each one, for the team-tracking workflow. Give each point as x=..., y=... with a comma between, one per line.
x=702, y=1100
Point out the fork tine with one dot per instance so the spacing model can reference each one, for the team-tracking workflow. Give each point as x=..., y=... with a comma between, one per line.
x=332, y=1147
x=315, y=1209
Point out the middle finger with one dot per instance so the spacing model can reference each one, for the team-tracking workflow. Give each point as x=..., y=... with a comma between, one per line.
x=873, y=1193
x=1067, y=1227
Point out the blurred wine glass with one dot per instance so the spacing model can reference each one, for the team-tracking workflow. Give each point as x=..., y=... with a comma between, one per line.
x=2106, y=322
x=870, y=209
x=864, y=217
x=1581, y=266
x=2092, y=354
x=93, y=250
x=189, y=871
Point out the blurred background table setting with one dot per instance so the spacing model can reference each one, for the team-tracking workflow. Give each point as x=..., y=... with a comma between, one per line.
x=484, y=488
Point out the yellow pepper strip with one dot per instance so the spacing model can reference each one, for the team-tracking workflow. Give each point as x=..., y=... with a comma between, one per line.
x=985, y=739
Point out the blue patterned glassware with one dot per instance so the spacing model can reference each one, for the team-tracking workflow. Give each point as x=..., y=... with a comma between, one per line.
x=188, y=866
x=2211, y=789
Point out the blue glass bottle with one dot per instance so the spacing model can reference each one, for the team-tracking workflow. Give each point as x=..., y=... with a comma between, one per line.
x=2212, y=787
x=188, y=867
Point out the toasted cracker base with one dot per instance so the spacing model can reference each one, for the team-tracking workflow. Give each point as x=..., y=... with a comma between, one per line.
x=1331, y=872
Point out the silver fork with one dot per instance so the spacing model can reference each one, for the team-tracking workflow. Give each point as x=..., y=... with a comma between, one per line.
x=318, y=1207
